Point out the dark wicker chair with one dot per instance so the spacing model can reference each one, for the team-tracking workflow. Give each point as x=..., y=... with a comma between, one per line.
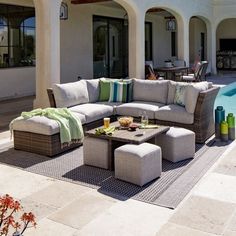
x=199, y=75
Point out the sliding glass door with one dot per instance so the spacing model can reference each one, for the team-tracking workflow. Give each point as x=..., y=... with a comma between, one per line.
x=110, y=47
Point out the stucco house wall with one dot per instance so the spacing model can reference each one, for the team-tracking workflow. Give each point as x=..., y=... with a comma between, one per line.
x=77, y=37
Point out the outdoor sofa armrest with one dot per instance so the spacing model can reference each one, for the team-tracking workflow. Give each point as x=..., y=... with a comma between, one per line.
x=51, y=97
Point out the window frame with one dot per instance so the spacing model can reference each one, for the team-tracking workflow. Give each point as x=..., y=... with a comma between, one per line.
x=21, y=28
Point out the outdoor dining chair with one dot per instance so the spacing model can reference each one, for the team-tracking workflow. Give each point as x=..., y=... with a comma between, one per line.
x=199, y=75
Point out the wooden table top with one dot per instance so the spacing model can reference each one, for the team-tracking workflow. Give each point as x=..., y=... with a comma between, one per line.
x=171, y=69
x=124, y=135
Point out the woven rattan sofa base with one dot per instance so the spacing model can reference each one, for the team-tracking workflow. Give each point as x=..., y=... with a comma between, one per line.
x=47, y=145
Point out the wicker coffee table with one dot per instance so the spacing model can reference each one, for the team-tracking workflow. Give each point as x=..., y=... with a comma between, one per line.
x=124, y=136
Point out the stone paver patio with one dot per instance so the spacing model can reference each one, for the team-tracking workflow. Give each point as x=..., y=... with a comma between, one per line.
x=71, y=210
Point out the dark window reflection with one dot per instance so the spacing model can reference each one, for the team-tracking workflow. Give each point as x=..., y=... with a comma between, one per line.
x=17, y=36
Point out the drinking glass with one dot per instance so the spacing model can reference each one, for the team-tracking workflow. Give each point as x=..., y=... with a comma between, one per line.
x=144, y=119
x=106, y=122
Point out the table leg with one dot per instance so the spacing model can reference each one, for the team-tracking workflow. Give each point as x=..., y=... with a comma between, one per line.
x=110, y=156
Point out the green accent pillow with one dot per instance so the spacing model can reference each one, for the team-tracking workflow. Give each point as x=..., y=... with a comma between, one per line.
x=104, y=92
x=180, y=94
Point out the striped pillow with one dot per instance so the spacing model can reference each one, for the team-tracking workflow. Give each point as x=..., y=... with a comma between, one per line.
x=120, y=91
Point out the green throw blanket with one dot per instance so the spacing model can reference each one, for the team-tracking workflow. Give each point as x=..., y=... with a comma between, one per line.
x=71, y=130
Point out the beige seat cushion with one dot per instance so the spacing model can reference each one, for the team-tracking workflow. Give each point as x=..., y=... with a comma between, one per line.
x=137, y=107
x=40, y=125
x=93, y=111
x=112, y=104
x=174, y=113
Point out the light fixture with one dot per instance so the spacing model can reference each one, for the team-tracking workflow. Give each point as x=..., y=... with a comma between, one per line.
x=64, y=11
x=170, y=23
x=126, y=22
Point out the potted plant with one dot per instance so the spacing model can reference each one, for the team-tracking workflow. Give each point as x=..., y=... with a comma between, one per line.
x=8, y=208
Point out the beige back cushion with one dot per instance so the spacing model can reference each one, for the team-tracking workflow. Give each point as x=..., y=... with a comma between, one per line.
x=93, y=89
x=70, y=94
x=150, y=90
x=192, y=93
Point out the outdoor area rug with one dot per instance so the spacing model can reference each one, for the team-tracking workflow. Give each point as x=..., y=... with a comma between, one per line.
x=169, y=190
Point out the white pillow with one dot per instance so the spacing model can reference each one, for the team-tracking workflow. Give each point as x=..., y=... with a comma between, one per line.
x=71, y=94
x=192, y=93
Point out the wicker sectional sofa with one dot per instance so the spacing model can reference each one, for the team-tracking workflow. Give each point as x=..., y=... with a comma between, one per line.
x=157, y=98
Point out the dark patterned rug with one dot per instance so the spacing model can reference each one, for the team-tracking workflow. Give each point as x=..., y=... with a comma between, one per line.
x=175, y=183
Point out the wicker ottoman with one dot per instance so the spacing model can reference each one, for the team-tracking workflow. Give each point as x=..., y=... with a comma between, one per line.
x=40, y=135
x=177, y=144
x=138, y=164
x=96, y=152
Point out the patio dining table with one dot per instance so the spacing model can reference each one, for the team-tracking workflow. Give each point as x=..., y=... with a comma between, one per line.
x=170, y=72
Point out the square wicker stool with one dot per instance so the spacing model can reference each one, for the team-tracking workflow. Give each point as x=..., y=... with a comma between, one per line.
x=177, y=144
x=138, y=164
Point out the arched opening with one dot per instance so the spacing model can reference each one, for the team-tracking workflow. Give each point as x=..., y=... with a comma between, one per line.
x=226, y=45
x=161, y=37
x=100, y=36
x=197, y=40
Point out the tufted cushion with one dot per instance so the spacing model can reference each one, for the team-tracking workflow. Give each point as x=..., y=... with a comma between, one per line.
x=70, y=94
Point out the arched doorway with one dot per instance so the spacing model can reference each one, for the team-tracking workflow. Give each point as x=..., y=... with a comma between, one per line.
x=164, y=43
x=197, y=40
x=226, y=45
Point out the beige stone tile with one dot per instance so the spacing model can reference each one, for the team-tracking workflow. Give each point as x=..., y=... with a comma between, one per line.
x=177, y=230
x=5, y=135
x=128, y=218
x=230, y=233
x=39, y=210
x=59, y=194
x=48, y=227
x=219, y=187
x=232, y=224
x=228, y=164
x=204, y=214
x=83, y=210
x=21, y=184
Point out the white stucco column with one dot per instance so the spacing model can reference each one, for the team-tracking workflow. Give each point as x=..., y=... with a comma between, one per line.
x=212, y=41
x=136, y=45
x=47, y=48
x=183, y=40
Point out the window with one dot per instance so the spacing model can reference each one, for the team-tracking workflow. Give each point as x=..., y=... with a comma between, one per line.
x=17, y=36
x=173, y=44
x=148, y=41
